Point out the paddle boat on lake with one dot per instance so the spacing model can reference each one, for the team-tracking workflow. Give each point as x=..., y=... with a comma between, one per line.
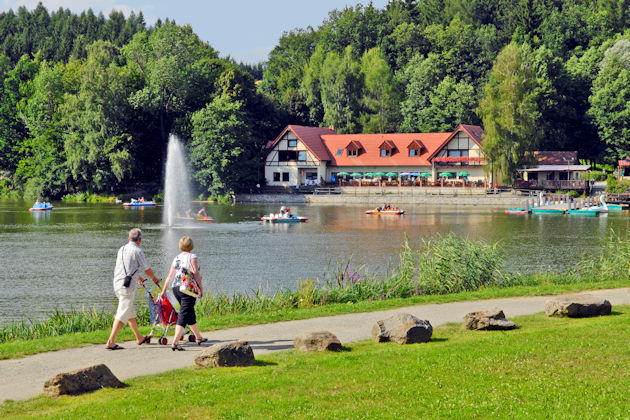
x=386, y=209
x=284, y=216
x=279, y=218
x=41, y=206
x=139, y=203
x=518, y=211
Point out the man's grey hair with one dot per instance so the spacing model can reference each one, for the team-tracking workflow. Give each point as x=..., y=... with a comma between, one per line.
x=135, y=234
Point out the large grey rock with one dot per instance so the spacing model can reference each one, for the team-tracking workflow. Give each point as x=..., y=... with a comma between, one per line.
x=235, y=353
x=578, y=306
x=82, y=381
x=402, y=328
x=493, y=319
x=317, y=341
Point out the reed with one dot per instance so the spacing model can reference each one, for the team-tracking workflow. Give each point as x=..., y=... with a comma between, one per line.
x=443, y=265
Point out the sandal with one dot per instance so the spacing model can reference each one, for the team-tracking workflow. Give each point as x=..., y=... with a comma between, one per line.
x=146, y=339
x=114, y=347
x=200, y=340
x=177, y=347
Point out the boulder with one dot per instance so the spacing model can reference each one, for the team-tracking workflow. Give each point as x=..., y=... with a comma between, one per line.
x=493, y=319
x=235, y=353
x=81, y=381
x=402, y=328
x=317, y=341
x=578, y=306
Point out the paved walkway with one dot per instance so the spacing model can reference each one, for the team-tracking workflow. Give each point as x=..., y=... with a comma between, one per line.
x=24, y=378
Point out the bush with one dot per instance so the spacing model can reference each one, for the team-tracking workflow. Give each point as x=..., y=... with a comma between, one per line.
x=615, y=186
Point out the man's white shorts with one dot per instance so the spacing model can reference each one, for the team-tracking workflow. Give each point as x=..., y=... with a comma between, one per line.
x=126, y=308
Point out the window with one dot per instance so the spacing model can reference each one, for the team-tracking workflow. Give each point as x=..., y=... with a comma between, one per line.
x=339, y=152
x=352, y=153
x=413, y=152
x=276, y=177
x=386, y=152
x=287, y=155
x=285, y=177
x=301, y=155
x=292, y=143
x=457, y=153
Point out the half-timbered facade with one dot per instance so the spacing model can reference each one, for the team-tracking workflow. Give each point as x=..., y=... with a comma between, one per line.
x=311, y=155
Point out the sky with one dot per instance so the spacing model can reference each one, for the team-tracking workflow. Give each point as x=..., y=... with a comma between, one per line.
x=246, y=30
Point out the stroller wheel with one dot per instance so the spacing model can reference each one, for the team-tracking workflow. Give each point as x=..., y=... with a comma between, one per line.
x=163, y=341
x=191, y=338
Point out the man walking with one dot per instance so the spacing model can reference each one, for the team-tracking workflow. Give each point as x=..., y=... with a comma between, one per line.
x=129, y=261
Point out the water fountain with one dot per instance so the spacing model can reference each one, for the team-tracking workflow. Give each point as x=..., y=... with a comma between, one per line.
x=177, y=191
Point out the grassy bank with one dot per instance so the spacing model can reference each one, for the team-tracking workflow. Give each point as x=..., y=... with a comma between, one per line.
x=445, y=269
x=88, y=197
x=576, y=367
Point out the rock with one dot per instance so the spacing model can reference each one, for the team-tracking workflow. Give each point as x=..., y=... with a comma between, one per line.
x=578, y=306
x=235, y=353
x=402, y=329
x=82, y=381
x=317, y=341
x=493, y=319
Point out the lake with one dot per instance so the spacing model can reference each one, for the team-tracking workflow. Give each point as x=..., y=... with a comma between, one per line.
x=65, y=257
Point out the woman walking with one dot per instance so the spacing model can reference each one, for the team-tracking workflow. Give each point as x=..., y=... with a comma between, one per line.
x=184, y=262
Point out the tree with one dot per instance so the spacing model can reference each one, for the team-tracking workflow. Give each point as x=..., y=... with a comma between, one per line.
x=610, y=101
x=222, y=149
x=42, y=171
x=509, y=112
x=96, y=118
x=380, y=95
x=341, y=85
x=310, y=88
x=178, y=72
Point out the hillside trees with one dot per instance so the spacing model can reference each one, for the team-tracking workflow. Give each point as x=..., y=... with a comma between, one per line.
x=610, y=101
x=509, y=110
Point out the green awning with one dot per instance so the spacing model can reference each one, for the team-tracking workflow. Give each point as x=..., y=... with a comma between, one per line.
x=445, y=174
x=380, y=174
x=391, y=174
x=425, y=174
x=368, y=174
x=343, y=173
x=462, y=173
x=356, y=174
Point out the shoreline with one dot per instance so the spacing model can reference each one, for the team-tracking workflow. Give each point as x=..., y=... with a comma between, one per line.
x=370, y=197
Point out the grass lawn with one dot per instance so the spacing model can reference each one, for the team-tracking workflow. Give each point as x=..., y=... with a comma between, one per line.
x=21, y=348
x=548, y=367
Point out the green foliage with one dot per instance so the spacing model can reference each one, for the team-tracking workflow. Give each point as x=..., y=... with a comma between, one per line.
x=341, y=84
x=222, y=149
x=611, y=101
x=509, y=111
x=615, y=186
x=380, y=94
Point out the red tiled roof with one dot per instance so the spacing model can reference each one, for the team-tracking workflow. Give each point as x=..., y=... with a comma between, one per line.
x=354, y=145
x=556, y=158
x=310, y=136
x=624, y=163
x=371, y=143
x=387, y=144
x=474, y=132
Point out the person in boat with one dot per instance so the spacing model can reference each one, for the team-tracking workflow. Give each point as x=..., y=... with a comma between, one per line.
x=202, y=213
x=287, y=213
x=283, y=210
x=142, y=199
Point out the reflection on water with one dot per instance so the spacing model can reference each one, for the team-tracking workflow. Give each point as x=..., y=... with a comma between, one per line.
x=65, y=257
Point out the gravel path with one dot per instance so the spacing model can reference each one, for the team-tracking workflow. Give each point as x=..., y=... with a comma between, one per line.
x=24, y=378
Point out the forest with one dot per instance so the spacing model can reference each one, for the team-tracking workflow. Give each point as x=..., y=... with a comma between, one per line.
x=87, y=102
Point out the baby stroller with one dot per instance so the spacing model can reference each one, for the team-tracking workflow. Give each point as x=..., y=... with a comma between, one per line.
x=163, y=317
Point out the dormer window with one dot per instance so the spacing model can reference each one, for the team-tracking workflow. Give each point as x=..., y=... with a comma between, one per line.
x=387, y=148
x=354, y=148
x=415, y=148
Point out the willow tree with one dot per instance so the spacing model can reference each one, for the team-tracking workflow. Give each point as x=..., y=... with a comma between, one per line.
x=509, y=111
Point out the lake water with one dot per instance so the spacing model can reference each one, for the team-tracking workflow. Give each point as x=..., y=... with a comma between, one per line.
x=65, y=257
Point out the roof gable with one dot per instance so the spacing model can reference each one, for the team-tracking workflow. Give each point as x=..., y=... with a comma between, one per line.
x=310, y=137
x=475, y=132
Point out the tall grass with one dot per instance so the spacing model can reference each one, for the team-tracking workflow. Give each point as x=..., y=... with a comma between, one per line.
x=445, y=264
